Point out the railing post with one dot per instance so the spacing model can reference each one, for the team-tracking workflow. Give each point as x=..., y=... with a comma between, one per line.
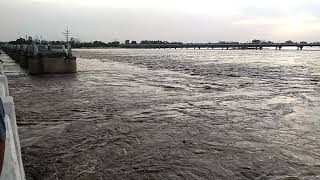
x=1, y=67
x=35, y=50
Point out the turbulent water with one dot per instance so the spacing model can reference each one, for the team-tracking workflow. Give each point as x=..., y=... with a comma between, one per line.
x=172, y=114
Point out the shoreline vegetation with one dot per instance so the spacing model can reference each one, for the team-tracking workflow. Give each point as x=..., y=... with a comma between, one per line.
x=77, y=44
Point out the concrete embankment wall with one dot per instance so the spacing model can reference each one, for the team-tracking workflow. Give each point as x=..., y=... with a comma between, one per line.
x=40, y=59
x=13, y=165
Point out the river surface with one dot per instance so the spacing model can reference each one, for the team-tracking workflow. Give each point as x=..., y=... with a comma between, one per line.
x=172, y=114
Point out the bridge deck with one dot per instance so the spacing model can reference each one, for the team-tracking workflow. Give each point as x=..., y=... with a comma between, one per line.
x=237, y=46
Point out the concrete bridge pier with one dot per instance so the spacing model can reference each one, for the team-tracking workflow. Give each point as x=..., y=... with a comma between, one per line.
x=22, y=53
x=24, y=61
x=16, y=53
x=35, y=65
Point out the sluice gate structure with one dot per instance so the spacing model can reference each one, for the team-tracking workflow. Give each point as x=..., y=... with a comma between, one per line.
x=43, y=59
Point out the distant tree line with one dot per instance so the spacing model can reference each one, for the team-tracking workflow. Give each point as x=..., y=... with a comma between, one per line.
x=76, y=43
x=158, y=42
x=94, y=44
x=30, y=40
x=22, y=41
x=256, y=41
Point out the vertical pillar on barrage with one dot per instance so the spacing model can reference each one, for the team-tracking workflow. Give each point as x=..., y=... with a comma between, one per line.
x=35, y=65
x=16, y=53
x=22, y=53
x=24, y=61
x=30, y=55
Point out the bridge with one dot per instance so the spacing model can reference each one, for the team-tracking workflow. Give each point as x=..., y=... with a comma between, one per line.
x=277, y=46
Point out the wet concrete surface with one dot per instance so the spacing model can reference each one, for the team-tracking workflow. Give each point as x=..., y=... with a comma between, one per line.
x=172, y=114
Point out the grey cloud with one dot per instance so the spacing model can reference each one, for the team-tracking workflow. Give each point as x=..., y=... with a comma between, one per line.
x=20, y=18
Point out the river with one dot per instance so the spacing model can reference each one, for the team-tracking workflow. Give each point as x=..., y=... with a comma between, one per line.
x=172, y=114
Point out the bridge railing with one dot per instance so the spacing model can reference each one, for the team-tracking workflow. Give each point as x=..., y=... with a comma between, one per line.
x=12, y=165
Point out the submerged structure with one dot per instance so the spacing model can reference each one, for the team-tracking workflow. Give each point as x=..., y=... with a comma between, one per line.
x=43, y=59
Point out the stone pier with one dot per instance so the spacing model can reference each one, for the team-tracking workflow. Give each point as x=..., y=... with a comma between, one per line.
x=42, y=59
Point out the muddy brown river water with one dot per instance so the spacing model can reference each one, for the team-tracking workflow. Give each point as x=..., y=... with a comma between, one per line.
x=172, y=114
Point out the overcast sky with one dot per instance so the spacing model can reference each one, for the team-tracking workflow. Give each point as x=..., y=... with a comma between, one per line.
x=172, y=20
